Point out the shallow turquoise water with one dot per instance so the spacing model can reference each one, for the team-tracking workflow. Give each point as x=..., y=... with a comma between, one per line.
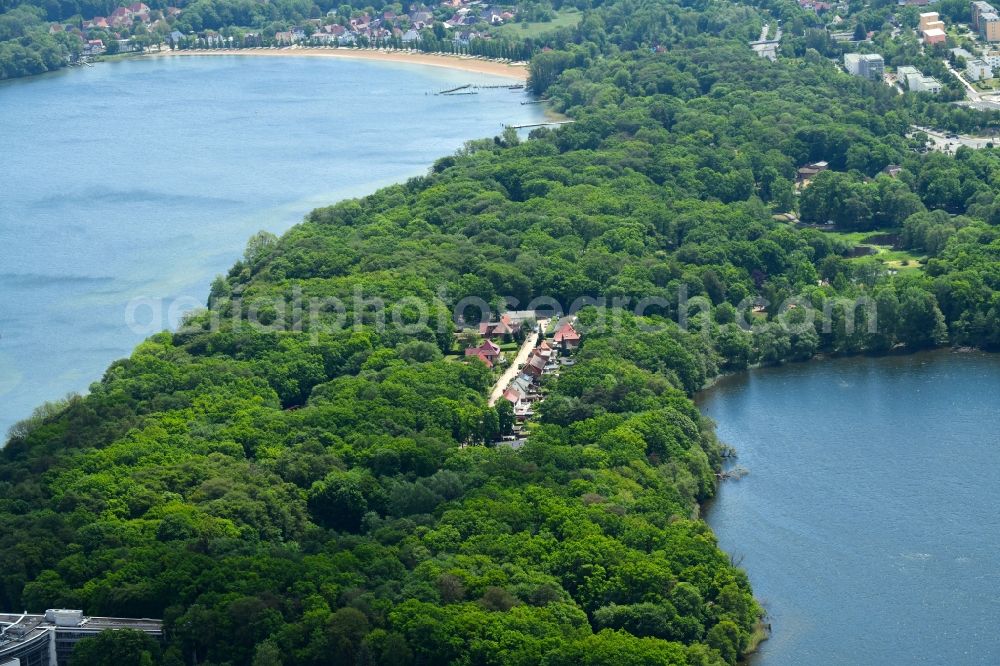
x=868, y=523
x=143, y=179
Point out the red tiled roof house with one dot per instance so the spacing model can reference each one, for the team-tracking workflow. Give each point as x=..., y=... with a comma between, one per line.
x=486, y=352
x=504, y=328
x=567, y=337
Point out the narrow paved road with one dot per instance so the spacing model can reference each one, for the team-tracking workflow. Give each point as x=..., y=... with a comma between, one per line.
x=940, y=140
x=519, y=360
x=970, y=92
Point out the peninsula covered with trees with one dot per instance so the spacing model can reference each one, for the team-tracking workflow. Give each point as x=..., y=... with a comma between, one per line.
x=310, y=494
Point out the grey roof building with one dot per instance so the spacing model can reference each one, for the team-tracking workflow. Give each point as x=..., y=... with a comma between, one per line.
x=866, y=65
x=48, y=640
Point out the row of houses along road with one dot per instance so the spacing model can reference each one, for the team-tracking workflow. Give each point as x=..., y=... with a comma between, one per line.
x=538, y=357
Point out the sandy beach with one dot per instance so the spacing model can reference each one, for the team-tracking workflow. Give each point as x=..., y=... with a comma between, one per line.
x=464, y=63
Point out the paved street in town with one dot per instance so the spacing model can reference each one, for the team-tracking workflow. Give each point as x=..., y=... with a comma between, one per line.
x=515, y=366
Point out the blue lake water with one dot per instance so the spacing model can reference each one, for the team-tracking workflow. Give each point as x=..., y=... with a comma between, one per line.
x=144, y=178
x=868, y=523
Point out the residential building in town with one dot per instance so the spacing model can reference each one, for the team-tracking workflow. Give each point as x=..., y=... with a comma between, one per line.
x=139, y=10
x=932, y=28
x=535, y=367
x=866, y=65
x=989, y=27
x=505, y=328
x=519, y=400
x=935, y=36
x=567, y=337
x=523, y=316
x=93, y=47
x=978, y=9
x=915, y=81
x=808, y=172
x=121, y=17
x=521, y=394
x=986, y=21
x=929, y=20
x=978, y=69
x=992, y=58
x=487, y=352
x=962, y=53
x=927, y=84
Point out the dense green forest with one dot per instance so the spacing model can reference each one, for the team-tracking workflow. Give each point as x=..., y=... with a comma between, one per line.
x=26, y=47
x=321, y=494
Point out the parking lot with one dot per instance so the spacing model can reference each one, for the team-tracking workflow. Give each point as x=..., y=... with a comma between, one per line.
x=949, y=143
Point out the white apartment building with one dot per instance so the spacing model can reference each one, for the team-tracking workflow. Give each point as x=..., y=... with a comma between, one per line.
x=978, y=70
x=916, y=82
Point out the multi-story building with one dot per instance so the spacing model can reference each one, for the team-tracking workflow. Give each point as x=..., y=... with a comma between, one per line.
x=978, y=9
x=927, y=84
x=986, y=21
x=978, y=70
x=929, y=20
x=932, y=28
x=48, y=640
x=989, y=27
x=866, y=65
x=935, y=36
x=916, y=82
x=992, y=58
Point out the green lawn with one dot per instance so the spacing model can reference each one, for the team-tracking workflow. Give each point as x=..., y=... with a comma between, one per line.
x=564, y=18
x=899, y=260
x=858, y=237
